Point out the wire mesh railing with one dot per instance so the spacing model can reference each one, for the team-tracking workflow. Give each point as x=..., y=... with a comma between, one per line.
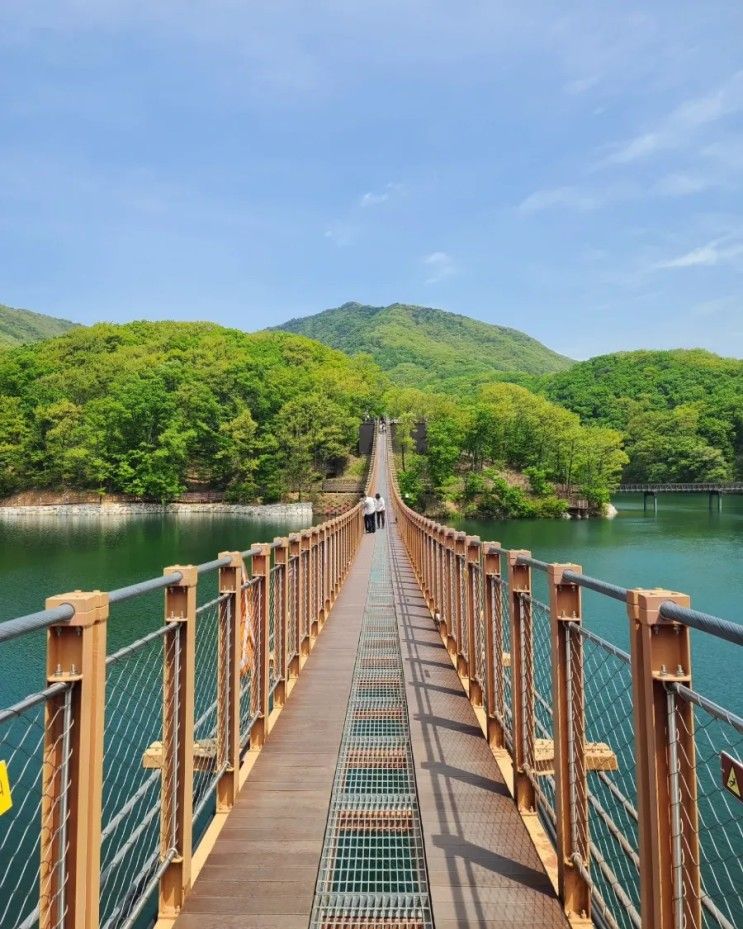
x=36, y=748
x=637, y=777
x=611, y=825
x=111, y=774
x=132, y=772
x=705, y=746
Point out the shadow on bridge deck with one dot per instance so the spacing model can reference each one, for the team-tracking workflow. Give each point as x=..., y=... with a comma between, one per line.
x=482, y=867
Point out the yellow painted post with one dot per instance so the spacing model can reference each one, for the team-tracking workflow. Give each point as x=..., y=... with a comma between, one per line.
x=281, y=618
x=494, y=686
x=72, y=771
x=229, y=650
x=669, y=862
x=176, y=771
x=474, y=617
x=569, y=720
x=522, y=678
x=262, y=570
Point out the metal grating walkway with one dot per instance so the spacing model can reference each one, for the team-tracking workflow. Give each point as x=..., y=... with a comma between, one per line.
x=372, y=868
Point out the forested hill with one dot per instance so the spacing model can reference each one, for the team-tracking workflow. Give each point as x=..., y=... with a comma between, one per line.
x=152, y=409
x=426, y=347
x=20, y=326
x=681, y=411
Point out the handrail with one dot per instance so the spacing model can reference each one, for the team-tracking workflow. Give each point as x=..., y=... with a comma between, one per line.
x=160, y=726
x=637, y=841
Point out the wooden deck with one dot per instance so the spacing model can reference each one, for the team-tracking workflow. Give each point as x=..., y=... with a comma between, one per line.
x=262, y=871
x=483, y=868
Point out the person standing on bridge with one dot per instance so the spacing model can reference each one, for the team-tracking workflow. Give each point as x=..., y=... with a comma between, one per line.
x=379, y=506
x=370, y=507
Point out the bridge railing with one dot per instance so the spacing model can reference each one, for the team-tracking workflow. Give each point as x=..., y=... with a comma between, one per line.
x=626, y=765
x=122, y=768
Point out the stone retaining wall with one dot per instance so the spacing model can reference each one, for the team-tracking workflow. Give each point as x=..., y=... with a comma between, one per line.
x=301, y=512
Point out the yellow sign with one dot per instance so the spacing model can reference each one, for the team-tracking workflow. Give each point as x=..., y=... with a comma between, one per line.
x=6, y=801
x=732, y=775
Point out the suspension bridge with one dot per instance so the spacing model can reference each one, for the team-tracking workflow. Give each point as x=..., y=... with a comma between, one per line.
x=411, y=728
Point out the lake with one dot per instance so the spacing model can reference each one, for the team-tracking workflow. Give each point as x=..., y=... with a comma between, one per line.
x=42, y=556
x=685, y=547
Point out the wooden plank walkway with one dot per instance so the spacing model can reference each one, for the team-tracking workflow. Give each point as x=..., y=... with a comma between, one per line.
x=262, y=871
x=482, y=866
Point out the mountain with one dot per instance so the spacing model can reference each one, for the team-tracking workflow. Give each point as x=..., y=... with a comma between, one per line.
x=20, y=326
x=424, y=347
x=682, y=410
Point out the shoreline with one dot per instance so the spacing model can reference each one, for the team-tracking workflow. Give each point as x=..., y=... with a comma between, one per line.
x=258, y=511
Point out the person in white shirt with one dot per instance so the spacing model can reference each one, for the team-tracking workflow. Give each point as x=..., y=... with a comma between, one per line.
x=370, y=507
x=379, y=507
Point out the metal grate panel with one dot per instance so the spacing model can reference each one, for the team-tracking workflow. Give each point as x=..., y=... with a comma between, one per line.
x=373, y=870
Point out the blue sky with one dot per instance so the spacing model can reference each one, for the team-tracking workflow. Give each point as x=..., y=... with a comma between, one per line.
x=571, y=169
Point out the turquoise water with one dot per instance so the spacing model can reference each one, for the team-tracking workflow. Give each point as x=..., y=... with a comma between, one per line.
x=43, y=556
x=685, y=547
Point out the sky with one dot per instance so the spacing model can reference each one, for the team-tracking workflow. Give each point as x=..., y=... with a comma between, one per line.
x=573, y=170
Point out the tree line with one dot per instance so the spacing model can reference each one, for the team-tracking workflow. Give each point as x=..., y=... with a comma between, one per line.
x=152, y=409
x=473, y=442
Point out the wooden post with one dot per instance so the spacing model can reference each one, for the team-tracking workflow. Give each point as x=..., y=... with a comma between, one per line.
x=314, y=584
x=432, y=555
x=669, y=863
x=176, y=771
x=460, y=592
x=281, y=619
x=306, y=592
x=494, y=687
x=448, y=620
x=296, y=594
x=72, y=771
x=320, y=576
x=569, y=720
x=474, y=617
x=262, y=570
x=229, y=650
x=332, y=574
x=522, y=678
x=441, y=588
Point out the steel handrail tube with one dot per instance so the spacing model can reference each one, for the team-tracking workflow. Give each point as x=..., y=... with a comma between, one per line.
x=33, y=622
x=602, y=587
x=704, y=622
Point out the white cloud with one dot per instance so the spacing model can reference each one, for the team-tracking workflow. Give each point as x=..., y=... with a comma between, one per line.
x=341, y=234
x=713, y=253
x=581, y=85
x=373, y=198
x=682, y=185
x=572, y=197
x=440, y=265
x=674, y=130
x=581, y=199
